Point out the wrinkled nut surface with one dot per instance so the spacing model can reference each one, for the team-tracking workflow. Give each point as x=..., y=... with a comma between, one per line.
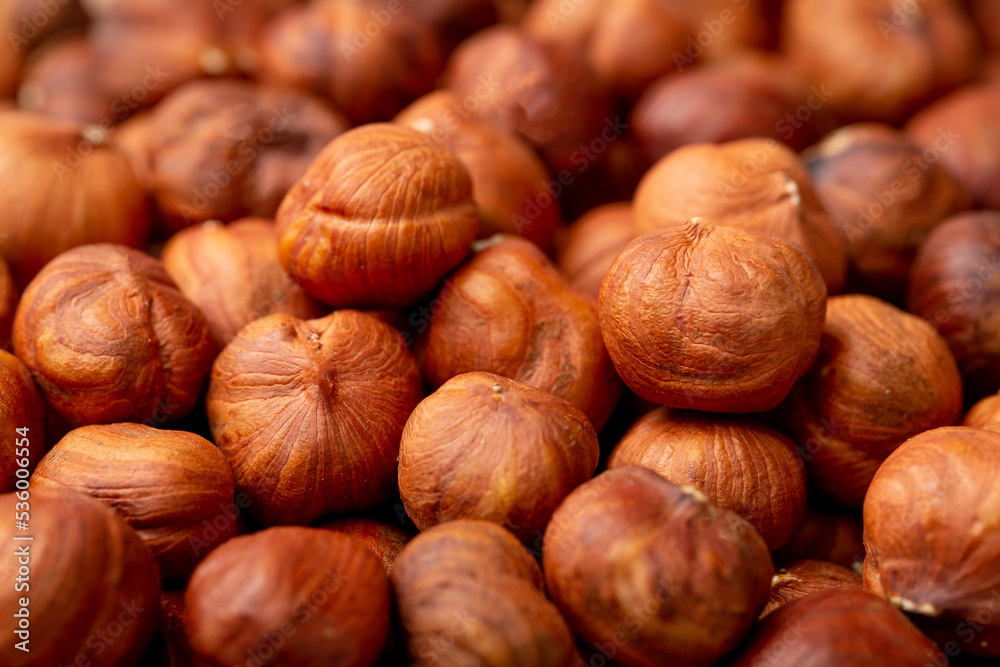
x=109, y=338
x=384, y=540
x=638, y=563
x=806, y=578
x=21, y=407
x=381, y=216
x=175, y=489
x=682, y=312
x=485, y=447
x=592, y=244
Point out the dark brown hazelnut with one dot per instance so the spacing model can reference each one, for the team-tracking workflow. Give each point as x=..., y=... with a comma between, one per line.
x=677, y=311
x=485, y=447
x=739, y=464
x=508, y=311
x=60, y=81
x=174, y=488
x=9, y=298
x=470, y=594
x=384, y=540
x=592, y=244
x=109, y=338
x=806, y=578
x=23, y=412
x=381, y=216
x=881, y=376
x=830, y=534
x=931, y=536
x=85, y=582
x=986, y=15
x=289, y=596
x=651, y=573
x=232, y=273
x=310, y=412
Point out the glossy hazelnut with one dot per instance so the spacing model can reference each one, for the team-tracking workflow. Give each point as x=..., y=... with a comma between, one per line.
x=592, y=244
x=806, y=578
x=482, y=321
x=884, y=197
x=510, y=185
x=931, y=539
x=60, y=81
x=309, y=413
x=109, y=338
x=827, y=533
x=880, y=59
x=485, y=447
x=881, y=376
x=65, y=188
x=954, y=285
x=174, y=488
x=289, y=596
x=92, y=586
x=23, y=411
x=985, y=414
x=653, y=572
x=470, y=594
x=232, y=273
x=755, y=184
x=738, y=463
x=384, y=540
x=381, y=216
x=9, y=298
x=675, y=312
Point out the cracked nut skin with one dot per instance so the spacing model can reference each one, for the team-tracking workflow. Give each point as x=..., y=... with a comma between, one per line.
x=486, y=447
x=631, y=555
x=806, y=578
x=509, y=311
x=109, y=338
x=173, y=488
x=681, y=314
x=90, y=573
x=881, y=376
x=932, y=538
x=469, y=594
x=738, y=463
x=385, y=541
x=21, y=406
x=309, y=413
x=328, y=587
x=382, y=215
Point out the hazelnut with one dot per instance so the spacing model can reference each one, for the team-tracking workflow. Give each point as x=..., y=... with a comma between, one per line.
x=92, y=590
x=9, y=298
x=470, y=594
x=510, y=184
x=754, y=184
x=922, y=49
x=134, y=138
x=64, y=188
x=883, y=197
x=653, y=570
x=310, y=412
x=738, y=463
x=826, y=533
x=174, y=488
x=837, y=627
x=248, y=597
x=485, y=447
x=60, y=81
x=232, y=273
x=806, y=578
x=955, y=285
x=508, y=311
x=985, y=414
x=23, y=413
x=931, y=538
x=723, y=29
x=384, y=540
x=674, y=312
x=881, y=376
x=592, y=244
x=109, y=338
x=381, y=216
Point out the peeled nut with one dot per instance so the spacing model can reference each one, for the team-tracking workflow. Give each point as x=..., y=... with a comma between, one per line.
x=21, y=407
x=806, y=578
x=384, y=540
x=592, y=244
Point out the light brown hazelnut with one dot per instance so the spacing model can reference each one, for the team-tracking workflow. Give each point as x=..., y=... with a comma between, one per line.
x=23, y=412
x=592, y=244
x=806, y=578
x=385, y=541
x=985, y=414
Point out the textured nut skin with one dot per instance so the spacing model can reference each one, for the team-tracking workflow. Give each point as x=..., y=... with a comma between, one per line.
x=881, y=376
x=90, y=572
x=384, y=540
x=109, y=338
x=921, y=50
x=173, y=488
x=592, y=244
x=829, y=534
x=485, y=447
x=232, y=273
x=510, y=184
x=327, y=586
x=754, y=184
x=382, y=215
x=806, y=578
x=309, y=413
x=931, y=538
x=21, y=406
x=628, y=542
x=954, y=285
x=884, y=197
x=837, y=627
x=737, y=462
x=470, y=594
x=64, y=189
x=508, y=311
x=676, y=311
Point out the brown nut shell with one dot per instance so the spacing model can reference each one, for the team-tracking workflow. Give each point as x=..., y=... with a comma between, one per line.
x=384, y=540
x=22, y=410
x=806, y=578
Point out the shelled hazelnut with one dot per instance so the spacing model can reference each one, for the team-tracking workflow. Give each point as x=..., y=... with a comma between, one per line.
x=60, y=81
x=23, y=412
x=384, y=540
x=806, y=578
x=9, y=298
x=985, y=414
x=593, y=242
x=831, y=534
